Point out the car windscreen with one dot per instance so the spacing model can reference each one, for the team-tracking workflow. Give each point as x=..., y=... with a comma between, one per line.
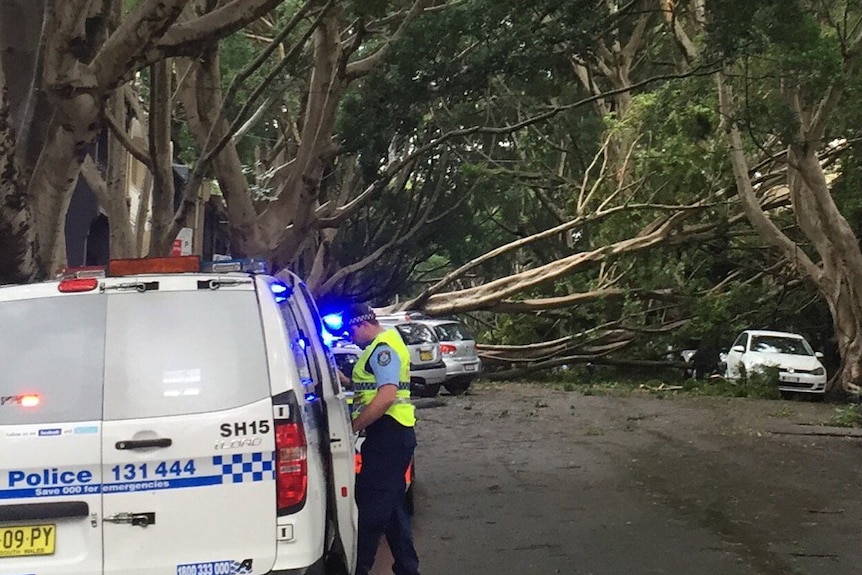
x=452, y=332
x=51, y=353
x=416, y=333
x=183, y=352
x=777, y=344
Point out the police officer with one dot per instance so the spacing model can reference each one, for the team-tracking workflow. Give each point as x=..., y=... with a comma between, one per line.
x=383, y=410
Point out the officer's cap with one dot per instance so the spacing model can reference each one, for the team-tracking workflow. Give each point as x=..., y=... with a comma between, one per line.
x=357, y=313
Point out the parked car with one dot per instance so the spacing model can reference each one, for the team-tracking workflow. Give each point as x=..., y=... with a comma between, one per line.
x=799, y=367
x=458, y=349
x=150, y=415
x=427, y=369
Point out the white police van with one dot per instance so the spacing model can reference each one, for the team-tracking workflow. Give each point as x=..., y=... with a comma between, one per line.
x=161, y=423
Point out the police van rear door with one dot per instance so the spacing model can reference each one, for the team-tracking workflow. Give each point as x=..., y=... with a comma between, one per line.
x=51, y=353
x=189, y=483
x=341, y=449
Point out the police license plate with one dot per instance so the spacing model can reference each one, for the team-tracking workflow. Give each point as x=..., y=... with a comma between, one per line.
x=27, y=540
x=426, y=355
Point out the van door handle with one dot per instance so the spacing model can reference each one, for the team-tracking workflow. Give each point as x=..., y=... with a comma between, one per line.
x=144, y=443
x=134, y=519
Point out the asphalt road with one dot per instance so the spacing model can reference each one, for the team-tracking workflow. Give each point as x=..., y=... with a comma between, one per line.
x=517, y=479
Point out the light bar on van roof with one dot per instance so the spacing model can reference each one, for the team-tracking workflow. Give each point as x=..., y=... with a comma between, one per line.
x=169, y=265
x=246, y=265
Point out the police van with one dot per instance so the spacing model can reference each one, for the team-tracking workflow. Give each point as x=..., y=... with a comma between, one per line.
x=161, y=420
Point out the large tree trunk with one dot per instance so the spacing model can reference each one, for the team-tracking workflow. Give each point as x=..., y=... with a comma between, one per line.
x=840, y=277
x=201, y=97
x=17, y=237
x=64, y=58
x=122, y=242
x=838, y=274
x=288, y=222
x=161, y=155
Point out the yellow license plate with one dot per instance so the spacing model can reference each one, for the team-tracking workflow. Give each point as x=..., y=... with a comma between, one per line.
x=426, y=355
x=27, y=540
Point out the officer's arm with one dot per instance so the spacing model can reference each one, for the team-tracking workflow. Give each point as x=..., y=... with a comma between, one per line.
x=373, y=411
x=343, y=378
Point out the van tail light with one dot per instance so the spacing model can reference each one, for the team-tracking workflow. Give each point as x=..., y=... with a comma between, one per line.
x=291, y=465
x=78, y=285
x=30, y=400
x=446, y=348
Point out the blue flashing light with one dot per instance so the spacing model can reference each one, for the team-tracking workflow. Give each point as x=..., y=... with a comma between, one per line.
x=334, y=328
x=280, y=291
x=310, y=397
x=333, y=322
x=329, y=339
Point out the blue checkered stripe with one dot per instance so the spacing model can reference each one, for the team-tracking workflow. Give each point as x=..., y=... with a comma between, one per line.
x=245, y=467
x=238, y=568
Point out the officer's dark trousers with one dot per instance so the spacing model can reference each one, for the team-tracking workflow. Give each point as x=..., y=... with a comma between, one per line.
x=386, y=453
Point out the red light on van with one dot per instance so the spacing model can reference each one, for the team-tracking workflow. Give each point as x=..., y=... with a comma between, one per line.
x=137, y=266
x=78, y=285
x=30, y=400
x=291, y=465
x=446, y=348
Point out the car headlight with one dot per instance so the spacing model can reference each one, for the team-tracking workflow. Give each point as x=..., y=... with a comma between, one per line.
x=819, y=371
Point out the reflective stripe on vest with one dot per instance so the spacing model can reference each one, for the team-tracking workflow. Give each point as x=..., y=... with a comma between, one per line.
x=365, y=384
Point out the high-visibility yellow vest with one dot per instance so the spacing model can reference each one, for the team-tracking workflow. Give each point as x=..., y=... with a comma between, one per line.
x=365, y=384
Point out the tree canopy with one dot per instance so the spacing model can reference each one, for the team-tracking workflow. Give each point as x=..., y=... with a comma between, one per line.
x=588, y=181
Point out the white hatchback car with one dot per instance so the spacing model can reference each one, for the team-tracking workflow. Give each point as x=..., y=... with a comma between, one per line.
x=154, y=422
x=799, y=367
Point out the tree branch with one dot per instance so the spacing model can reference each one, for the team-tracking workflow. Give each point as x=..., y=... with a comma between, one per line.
x=185, y=39
x=147, y=23
x=361, y=67
x=761, y=223
x=135, y=150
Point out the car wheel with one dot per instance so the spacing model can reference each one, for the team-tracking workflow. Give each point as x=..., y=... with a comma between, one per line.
x=457, y=385
x=427, y=390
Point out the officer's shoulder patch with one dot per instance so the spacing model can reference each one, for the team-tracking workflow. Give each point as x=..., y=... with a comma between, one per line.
x=384, y=357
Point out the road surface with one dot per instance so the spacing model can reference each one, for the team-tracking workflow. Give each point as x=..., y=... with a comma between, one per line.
x=525, y=479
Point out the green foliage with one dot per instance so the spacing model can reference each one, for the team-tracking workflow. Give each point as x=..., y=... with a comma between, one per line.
x=777, y=43
x=454, y=56
x=743, y=27
x=760, y=385
x=847, y=416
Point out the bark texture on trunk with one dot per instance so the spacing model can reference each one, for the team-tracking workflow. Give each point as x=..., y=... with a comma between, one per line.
x=18, y=262
x=160, y=154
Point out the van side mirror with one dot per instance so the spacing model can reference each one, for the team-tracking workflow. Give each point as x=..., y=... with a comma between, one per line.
x=818, y=354
x=738, y=348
